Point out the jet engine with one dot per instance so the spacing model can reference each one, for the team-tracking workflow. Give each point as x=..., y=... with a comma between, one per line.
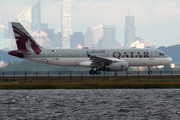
x=117, y=66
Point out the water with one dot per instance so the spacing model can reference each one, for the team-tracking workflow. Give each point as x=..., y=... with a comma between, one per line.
x=108, y=104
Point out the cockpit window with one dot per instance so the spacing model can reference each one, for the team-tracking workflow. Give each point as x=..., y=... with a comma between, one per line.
x=161, y=54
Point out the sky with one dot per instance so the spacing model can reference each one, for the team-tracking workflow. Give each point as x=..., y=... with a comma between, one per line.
x=156, y=21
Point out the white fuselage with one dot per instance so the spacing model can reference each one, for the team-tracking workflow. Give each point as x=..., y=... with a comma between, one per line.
x=101, y=58
x=74, y=61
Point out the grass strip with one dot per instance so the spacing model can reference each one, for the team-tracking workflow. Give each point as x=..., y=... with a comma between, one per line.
x=90, y=85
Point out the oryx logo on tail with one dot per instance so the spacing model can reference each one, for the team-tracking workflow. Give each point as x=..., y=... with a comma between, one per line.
x=24, y=40
x=28, y=46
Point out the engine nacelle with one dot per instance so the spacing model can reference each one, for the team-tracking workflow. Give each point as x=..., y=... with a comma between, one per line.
x=117, y=66
x=87, y=64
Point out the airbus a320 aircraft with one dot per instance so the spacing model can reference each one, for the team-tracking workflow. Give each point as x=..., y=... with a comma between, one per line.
x=98, y=59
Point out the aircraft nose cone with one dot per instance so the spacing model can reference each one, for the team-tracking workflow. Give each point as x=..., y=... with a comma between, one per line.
x=169, y=60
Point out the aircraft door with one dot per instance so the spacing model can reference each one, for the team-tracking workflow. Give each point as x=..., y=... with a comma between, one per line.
x=151, y=54
x=110, y=54
x=44, y=55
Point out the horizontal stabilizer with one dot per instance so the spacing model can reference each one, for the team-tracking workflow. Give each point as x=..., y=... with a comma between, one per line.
x=19, y=53
x=24, y=53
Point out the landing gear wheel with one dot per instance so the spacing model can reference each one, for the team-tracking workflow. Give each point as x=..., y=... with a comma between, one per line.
x=149, y=72
x=98, y=72
x=91, y=72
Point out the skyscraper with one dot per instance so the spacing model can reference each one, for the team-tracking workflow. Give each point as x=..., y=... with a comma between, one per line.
x=11, y=37
x=57, y=40
x=50, y=34
x=30, y=18
x=88, y=38
x=42, y=39
x=97, y=34
x=25, y=18
x=36, y=17
x=4, y=37
x=109, y=36
x=65, y=23
x=76, y=39
x=129, y=31
x=2, y=26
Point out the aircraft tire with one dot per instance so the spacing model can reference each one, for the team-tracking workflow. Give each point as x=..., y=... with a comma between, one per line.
x=91, y=72
x=149, y=72
x=98, y=72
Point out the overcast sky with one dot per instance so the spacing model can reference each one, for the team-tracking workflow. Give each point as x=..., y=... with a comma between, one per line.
x=157, y=21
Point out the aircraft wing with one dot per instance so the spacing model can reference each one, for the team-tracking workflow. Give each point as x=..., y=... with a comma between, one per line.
x=97, y=59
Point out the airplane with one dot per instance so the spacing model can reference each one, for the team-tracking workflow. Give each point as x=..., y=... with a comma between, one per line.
x=98, y=59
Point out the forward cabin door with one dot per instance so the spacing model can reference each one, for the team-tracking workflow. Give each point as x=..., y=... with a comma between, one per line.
x=151, y=54
x=110, y=54
x=44, y=55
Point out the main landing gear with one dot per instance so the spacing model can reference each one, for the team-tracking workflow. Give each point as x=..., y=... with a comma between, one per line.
x=149, y=70
x=97, y=72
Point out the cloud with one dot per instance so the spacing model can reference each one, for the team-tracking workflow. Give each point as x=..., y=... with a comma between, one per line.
x=51, y=14
x=165, y=10
x=10, y=9
x=151, y=17
x=109, y=12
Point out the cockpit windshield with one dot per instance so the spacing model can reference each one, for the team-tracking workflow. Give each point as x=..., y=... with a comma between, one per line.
x=161, y=54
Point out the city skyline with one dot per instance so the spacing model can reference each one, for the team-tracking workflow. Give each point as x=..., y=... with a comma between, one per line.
x=156, y=21
x=65, y=23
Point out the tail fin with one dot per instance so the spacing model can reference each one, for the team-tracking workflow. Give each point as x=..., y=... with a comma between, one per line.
x=25, y=42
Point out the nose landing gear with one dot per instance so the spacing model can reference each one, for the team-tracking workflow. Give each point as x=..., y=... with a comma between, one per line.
x=149, y=70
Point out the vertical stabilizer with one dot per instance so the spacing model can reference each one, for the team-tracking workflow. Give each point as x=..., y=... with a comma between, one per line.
x=24, y=40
